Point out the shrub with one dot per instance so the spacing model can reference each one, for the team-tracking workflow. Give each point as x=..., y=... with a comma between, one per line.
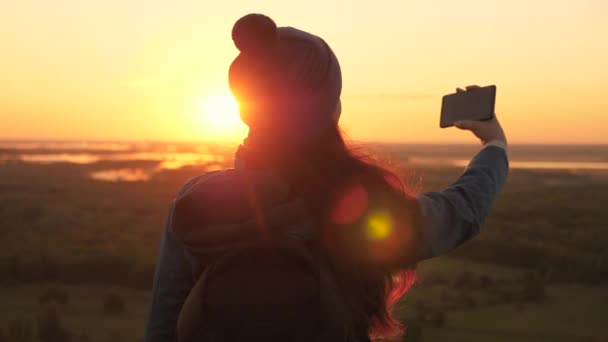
x=445, y=297
x=422, y=310
x=53, y=295
x=413, y=331
x=469, y=302
x=534, y=292
x=438, y=319
x=113, y=305
x=20, y=331
x=140, y=277
x=84, y=338
x=8, y=281
x=114, y=337
x=530, y=277
x=486, y=282
x=507, y=296
x=465, y=282
x=432, y=279
x=50, y=327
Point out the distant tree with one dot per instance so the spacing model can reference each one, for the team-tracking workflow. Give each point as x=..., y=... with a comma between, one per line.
x=32, y=214
x=422, y=310
x=470, y=302
x=530, y=277
x=8, y=281
x=413, y=331
x=50, y=327
x=114, y=337
x=438, y=319
x=84, y=338
x=11, y=269
x=140, y=277
x=53, y=295
x=445, y=297
x=20, y=331
x=113, y=305
x=465, y=281
x=507, y=295
x=432, y=279
x=486, y=282
x=534, y=291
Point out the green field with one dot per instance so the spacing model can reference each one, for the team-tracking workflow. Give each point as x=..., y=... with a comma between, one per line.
x=538, y=271
x=568, y=313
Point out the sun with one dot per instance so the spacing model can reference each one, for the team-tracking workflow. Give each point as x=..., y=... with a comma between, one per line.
x=220, y=117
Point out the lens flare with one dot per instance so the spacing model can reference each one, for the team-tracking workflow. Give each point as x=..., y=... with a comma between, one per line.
x=351, y=205
x=379, y=226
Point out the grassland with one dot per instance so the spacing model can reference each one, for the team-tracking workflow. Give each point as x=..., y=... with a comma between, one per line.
x=538, y=272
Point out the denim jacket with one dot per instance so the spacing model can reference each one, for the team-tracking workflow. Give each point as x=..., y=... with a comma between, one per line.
x=450, y=218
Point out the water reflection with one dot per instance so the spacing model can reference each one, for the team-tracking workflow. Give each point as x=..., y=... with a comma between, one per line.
x=122, y=175
x=559, y=165
x=75, y=158
x=514, y=164
x=138, y=174
x=172, y=161
x=213, y=167
x=166, y=160
x=69, y=145
x=172, y=156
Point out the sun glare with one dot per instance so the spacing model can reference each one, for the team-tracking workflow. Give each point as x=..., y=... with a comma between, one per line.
x=220, y=117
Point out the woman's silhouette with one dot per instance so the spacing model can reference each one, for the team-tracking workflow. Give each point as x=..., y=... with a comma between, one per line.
x=294, y=176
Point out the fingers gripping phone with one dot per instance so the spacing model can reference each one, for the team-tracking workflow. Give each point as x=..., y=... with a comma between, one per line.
x=476, y=103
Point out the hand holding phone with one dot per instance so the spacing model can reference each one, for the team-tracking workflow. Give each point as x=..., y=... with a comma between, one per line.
x=485, y=130
x=474, y=103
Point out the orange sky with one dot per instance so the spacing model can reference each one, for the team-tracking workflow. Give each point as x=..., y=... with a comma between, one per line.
x=72, y=69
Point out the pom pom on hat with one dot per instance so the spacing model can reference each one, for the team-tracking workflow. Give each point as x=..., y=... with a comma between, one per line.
x=254, y=32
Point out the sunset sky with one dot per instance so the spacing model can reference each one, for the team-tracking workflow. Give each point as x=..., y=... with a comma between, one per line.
x=157, y=70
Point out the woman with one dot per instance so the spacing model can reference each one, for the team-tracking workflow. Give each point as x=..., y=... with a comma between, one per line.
x=288, y=84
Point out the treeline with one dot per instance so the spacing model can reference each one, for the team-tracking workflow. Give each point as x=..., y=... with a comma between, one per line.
x=554, y=265
x=48, y=325
x=118, y=271
x=131, y=273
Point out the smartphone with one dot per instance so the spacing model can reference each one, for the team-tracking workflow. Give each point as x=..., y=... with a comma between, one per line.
x=474, y=104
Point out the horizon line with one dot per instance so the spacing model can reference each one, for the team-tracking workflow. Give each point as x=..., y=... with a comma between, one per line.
x=227, y=142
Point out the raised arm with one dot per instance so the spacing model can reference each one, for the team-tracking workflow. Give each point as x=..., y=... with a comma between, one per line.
x=455, y=215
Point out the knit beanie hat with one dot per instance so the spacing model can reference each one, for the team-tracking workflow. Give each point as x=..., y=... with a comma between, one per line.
x=287, y=81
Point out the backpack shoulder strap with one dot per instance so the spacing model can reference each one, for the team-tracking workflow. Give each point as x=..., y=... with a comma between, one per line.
x=190, y=323
x=339, y=325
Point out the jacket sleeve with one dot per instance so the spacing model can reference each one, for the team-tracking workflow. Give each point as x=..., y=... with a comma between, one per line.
x=455, y=215
x=173, y=280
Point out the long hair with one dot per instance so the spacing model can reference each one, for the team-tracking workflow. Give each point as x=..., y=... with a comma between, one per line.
x=368, y=219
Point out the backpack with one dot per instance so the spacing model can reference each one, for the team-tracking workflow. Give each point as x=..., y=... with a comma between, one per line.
x=289, y=274
x=248, y=258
